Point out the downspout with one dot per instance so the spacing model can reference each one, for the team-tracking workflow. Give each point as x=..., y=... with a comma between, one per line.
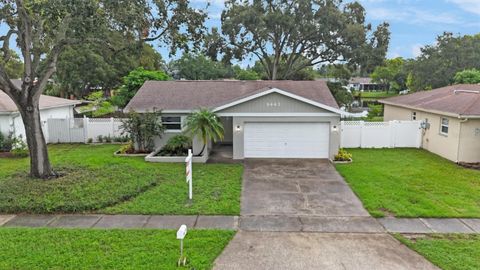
x=459, y=136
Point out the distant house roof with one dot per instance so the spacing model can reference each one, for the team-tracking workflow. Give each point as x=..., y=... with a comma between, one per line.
x=190, y=95
x=7, y=104
x=361, y=80
x=461, y=100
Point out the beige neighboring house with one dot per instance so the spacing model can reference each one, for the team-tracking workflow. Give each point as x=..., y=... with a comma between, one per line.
x=452, y=119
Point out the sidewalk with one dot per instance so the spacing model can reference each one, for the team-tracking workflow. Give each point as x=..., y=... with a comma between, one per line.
x=250, y=223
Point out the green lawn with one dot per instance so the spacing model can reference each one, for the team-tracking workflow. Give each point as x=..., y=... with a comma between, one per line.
x=95, y=179
x=375, y=95
x=107, y=249
x=449, y=252
x=412, y=183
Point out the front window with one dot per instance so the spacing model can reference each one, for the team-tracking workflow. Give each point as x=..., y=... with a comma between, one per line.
x=444, y=126
x=172, y=122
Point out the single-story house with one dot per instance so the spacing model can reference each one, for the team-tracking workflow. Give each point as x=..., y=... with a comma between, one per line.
x=365, y=84
x=451, y=117
x=50, y=107
x=262, y=119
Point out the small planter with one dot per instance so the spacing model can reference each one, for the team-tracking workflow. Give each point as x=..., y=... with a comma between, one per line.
x=117, y=154
x=152, y=157
x=343, y=161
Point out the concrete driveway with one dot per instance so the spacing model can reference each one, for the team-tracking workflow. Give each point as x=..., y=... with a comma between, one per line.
x=287, y=250
x=297, y=187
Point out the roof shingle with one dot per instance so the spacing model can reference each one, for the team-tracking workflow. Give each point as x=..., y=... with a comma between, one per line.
x=189, y=95
x=462, y=100
x=7, y=104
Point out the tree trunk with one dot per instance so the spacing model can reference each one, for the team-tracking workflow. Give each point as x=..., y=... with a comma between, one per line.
x=39, y=162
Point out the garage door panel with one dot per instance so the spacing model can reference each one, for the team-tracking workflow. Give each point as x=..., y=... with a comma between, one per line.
x=286, y=140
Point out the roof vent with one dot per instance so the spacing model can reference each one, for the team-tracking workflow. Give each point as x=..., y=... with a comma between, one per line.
x=466, y=91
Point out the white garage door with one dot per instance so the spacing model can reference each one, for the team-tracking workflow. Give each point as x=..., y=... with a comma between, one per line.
x=286, y=140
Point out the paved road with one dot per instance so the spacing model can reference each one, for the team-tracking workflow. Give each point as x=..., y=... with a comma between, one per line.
x=283, y=199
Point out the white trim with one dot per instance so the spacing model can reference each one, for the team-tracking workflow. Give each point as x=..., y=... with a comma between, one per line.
x=277, y=114
x=285, y=93
x=163, y=111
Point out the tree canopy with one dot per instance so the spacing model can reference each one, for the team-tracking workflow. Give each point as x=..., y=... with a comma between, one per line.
x=199, y=67
x=293, y=31
x=392, y=74
x=133, y=81
x=438, y=64
x=43, y=30
x=468, y=76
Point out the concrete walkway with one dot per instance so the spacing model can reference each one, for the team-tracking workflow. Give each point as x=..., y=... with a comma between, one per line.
x=120, y=221
x=250, y=223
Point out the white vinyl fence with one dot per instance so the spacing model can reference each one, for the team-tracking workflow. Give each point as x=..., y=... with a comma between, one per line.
x=360, y=134
x=73, y=130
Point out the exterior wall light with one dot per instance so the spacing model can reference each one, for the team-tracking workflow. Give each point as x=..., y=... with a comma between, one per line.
x=238, y=128
x=334, y=128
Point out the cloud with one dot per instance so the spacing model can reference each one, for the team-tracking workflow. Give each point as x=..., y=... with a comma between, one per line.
x=412, y=16
x=472, y=6
x=416, y=50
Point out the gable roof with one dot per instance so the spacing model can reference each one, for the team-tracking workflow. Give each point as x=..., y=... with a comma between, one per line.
x=461, y=100
x=191, y=95
x=7, y=104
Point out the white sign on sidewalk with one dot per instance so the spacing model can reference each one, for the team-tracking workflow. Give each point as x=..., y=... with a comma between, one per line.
x=188, y=165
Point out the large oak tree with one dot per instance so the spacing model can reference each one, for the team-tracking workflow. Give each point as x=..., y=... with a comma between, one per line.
x=42, y=29
x=291, y=31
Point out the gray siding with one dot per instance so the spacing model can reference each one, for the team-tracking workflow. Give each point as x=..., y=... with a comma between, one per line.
x=238, y=139
x=274, y=103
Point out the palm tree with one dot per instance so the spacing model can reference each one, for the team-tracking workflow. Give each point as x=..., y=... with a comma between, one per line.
x=205, y=124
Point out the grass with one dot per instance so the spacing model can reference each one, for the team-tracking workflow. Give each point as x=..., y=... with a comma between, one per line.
x=95, y=179
x=412, y=183
x=107, y=249
x=449, y=252
x=375, y=95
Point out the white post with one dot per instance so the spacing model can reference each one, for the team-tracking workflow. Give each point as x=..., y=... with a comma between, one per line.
x=188, y=166
x=85, y=128
x=112, y=124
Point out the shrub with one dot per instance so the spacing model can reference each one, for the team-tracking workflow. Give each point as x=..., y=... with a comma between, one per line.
x=90, y=140
x=108, y=139
x=127, y=148
x=343, y=155
x=120, y=139
x=100, y=138
x=6, y=143
x=143, y=128
x=176, y=146
x=19, y=147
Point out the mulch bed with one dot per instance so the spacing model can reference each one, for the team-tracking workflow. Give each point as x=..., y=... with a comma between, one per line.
x=6, y=155
x=475, y=166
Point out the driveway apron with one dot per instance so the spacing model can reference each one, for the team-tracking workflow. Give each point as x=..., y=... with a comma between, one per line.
x=301, y=214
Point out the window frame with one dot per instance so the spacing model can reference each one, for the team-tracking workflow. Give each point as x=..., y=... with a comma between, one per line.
x=442, y=125
x=165, y=123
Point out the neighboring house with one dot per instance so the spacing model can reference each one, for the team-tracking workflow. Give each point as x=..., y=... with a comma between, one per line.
x=50, y=107
x=262, y=119
x=451, y=118
x=364, y=84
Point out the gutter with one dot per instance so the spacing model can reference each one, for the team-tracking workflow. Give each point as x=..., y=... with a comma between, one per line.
x=430, y=111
